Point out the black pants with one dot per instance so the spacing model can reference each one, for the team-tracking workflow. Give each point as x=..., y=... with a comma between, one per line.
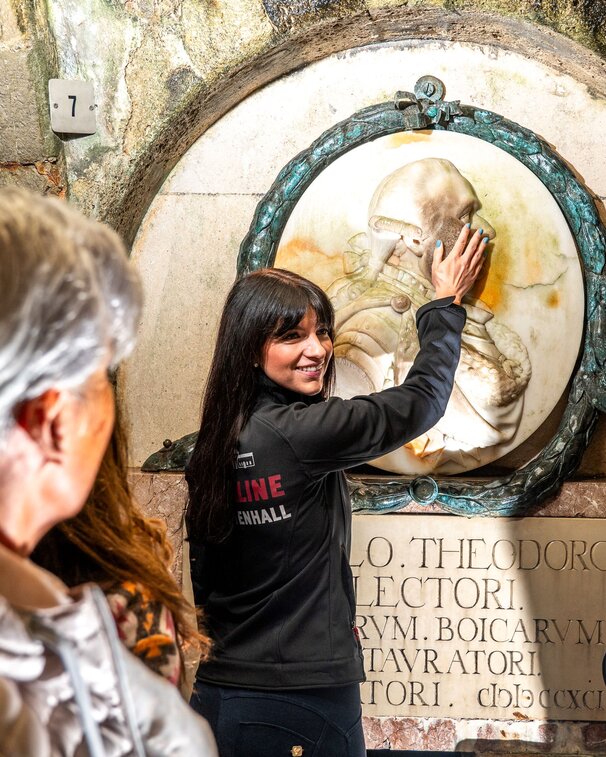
x=302, y=723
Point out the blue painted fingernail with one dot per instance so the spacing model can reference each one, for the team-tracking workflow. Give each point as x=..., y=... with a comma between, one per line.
x=480, y=231
x=468, y=226
x=439, y=243
x=485, y=240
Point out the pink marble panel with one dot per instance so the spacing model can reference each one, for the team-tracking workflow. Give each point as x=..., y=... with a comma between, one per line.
x=164, y=496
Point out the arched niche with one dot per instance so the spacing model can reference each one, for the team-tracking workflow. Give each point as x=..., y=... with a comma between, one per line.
x=124, y=204
x=162, y=384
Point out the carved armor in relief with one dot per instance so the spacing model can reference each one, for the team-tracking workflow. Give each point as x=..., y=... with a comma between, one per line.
x=387, y=278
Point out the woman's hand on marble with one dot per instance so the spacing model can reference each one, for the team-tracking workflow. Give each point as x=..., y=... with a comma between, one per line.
x=454, y=273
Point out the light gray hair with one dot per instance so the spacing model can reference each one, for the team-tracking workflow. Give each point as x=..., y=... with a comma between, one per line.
x=69, y=298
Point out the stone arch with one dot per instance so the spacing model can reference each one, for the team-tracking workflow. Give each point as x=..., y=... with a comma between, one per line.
x=125, y=201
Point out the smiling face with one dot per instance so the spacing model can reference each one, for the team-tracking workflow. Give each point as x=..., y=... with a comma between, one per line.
x=297, y=360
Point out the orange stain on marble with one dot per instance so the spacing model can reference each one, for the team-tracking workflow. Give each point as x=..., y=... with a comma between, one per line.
x=508, y=262
x=417, y=446
x=489, y=286
x=409, y=138
x=296, y=248
x=305, y=257
x=553, y=299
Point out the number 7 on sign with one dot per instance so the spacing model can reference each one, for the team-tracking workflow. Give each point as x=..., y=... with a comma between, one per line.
x=72, y=106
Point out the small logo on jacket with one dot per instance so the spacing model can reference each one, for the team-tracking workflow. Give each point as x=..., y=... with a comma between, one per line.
x=245, y=460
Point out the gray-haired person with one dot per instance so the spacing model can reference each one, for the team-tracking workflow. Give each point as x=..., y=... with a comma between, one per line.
x=69, y=305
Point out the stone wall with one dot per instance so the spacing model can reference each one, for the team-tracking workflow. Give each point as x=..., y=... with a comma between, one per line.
x=167, y=69
x=165, y=72
x=30, y=154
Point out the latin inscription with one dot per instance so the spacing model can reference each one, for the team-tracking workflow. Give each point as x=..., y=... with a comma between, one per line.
x=482, y=618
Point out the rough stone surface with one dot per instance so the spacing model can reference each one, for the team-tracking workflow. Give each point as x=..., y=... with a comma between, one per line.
x=486, y=738
x=10, y=30
x=594, y=737
x=165, y=76
x=29, y=151
x=164, y=497
x=44, y=176
x=576, y=499
x=211, y=199
x=22, y=139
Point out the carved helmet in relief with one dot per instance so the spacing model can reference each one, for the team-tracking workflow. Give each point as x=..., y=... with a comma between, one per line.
x=431, y=195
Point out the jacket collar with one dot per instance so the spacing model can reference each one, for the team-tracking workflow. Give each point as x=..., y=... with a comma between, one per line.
x=268, y=391
x=28, y=591
x=27, y=586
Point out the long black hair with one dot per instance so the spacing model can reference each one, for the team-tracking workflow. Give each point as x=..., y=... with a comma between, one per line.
x=261, y=305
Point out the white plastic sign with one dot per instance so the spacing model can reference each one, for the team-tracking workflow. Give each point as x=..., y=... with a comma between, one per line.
x=72, y=106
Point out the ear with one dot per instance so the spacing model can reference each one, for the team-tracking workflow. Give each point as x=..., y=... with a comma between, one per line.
x=41, y=418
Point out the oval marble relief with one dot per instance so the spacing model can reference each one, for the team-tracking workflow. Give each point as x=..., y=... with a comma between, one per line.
x=365, y=231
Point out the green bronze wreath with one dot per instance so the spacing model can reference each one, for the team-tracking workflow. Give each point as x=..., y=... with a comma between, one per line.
x=515, y=493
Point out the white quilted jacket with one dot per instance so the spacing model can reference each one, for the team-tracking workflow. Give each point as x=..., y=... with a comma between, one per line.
x=67, y=686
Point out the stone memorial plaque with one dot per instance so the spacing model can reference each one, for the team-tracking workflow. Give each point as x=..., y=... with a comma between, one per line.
x=488, y=618
x=365, y=230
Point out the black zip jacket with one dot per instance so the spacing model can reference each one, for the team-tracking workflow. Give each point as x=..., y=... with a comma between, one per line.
x=278, y=593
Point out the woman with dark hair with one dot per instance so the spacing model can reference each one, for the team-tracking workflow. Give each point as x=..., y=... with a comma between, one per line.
x=111, y=543
x=269, y=516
